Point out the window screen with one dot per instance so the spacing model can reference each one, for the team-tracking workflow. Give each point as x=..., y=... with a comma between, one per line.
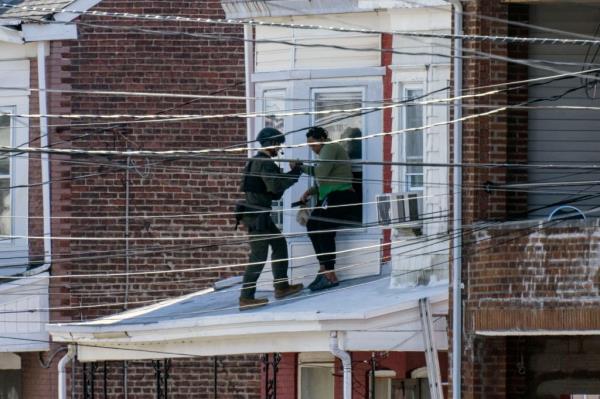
x=5, y=202
x=413, y=142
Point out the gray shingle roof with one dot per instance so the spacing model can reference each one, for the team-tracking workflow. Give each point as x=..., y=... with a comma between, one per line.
x=19, y=13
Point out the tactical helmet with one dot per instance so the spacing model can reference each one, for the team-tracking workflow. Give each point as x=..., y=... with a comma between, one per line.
x=270, y=136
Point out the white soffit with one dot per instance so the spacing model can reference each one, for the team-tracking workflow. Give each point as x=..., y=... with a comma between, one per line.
x=45, y=32
x=10, y=36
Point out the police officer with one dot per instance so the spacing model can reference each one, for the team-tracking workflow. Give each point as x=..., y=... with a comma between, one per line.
x=264, y=182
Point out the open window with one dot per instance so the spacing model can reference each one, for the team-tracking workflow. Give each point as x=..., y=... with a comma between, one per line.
x=343, y=125
x=14, y=176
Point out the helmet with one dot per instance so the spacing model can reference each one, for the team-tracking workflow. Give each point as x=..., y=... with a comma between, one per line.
x=270, y=136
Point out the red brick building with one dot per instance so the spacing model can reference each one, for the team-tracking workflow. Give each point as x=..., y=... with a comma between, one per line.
x=91, y=196
x=530, y=296
x=368, y=334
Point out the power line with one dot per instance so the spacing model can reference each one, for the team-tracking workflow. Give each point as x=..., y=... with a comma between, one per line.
x=175, y=18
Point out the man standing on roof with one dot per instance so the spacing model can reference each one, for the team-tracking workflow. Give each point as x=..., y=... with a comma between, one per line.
x=264, y=182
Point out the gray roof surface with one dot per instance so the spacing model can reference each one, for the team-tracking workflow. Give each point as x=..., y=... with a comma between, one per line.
x=18, y=13
x=354, y=298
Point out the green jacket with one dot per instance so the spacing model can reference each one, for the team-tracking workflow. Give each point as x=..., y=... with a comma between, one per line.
x=331, y=176
x=275, y=182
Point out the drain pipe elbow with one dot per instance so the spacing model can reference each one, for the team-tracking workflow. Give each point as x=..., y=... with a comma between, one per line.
x=346, y=359
x=62, y=372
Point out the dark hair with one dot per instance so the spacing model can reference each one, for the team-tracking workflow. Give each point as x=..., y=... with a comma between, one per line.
x=317, y=133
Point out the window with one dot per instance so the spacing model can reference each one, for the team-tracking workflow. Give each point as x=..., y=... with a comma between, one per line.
x=316, y=381
x=273, y=103
x=341, y=125
x=413, y=141
x=5, y=197
x=14, y=172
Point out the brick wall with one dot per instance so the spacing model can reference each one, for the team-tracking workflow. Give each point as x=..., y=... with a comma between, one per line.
x=536, y=276
x=499, y=138
x=92, y=190
x=403, y=363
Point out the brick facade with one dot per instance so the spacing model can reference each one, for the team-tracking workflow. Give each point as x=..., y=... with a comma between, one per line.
x=402, y=363
x=518, y=276
x=89, y=193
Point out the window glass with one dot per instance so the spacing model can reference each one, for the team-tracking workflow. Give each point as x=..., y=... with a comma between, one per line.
x=382, y=388
x=316, y=382
x=4, y=141
x=274, y=102
x=413, y=142
x=10, y=384
x=341, y=125
x=5, y=202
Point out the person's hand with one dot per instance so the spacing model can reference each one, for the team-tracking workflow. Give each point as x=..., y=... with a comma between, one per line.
x=306, y=196
x=295, y=165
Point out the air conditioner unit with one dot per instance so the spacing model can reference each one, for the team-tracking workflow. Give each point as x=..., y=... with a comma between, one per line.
x=400, y=210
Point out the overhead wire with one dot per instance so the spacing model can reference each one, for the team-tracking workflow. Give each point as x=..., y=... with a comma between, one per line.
x=538, y=226
x=181, y=18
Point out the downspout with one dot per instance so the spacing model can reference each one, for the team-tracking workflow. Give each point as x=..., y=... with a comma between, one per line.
x=45, y=157
x=62, y=373
x=457, y=205
x=344, y=356
x=249, y=70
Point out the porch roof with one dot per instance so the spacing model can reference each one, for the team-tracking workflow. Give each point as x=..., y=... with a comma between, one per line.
x=367, y=312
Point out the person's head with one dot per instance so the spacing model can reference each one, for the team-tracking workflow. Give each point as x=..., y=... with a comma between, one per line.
x=316, y=137
x=272, y=138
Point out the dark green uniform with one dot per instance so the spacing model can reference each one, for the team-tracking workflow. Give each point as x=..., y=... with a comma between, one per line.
x=263, y=183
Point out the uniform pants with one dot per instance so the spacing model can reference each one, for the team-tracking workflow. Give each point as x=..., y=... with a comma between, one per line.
x=331, y=218
x=259, y=250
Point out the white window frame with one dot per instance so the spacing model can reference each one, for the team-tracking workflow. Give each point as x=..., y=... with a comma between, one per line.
x=316, y=359
x=404, y=175
x=372, y=88
x=18, y=246
x=278, y=206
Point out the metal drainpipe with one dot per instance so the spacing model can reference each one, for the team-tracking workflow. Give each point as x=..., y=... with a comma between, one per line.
x=62, y=372
x=45, y=158
x=344, y=356
x=457, y=202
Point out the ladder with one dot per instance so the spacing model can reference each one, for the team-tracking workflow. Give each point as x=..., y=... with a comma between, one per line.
x=431, y=354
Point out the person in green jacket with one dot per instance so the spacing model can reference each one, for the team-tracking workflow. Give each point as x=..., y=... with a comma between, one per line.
x=263, y=182
x=338, y=204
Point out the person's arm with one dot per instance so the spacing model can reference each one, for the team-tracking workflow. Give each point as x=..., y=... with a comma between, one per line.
x=323, y=169
x=276, y=181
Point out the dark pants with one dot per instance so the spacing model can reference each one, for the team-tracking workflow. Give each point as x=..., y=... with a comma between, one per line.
x=259, y=250
x=331, y=217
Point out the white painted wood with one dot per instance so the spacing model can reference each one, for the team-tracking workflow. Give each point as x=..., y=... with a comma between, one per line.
x=45, y=32
x=13, y=51
x=351, y=263
x=10, y=361
x=281, y=57
x=14, y=322
x=8, y=35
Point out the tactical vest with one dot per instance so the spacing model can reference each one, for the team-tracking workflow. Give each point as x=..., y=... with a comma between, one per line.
x=252, y=183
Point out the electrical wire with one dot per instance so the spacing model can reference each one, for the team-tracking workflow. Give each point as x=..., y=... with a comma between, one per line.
x=176, y=18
